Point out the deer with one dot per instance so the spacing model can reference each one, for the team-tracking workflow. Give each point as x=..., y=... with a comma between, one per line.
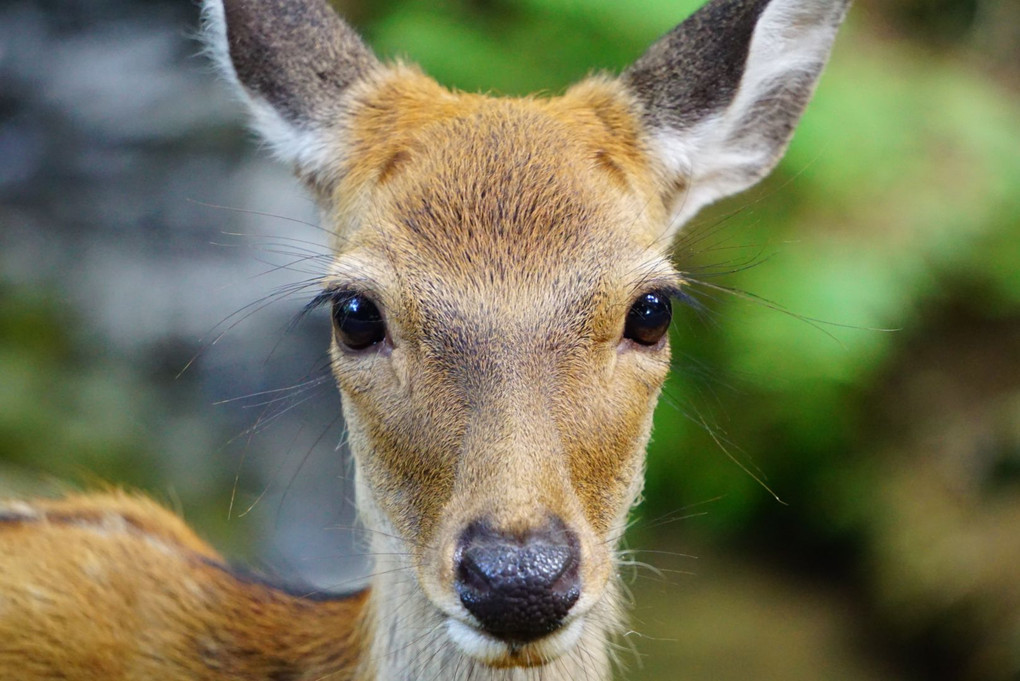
x=499, y=291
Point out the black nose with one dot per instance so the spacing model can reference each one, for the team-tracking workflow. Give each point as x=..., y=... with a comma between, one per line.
x=519, y=588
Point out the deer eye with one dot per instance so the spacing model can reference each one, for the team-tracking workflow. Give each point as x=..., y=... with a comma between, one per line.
x=357, y=321
x=648, y=319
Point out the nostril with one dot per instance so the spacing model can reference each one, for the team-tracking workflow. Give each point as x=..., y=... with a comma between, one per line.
x=518, y=588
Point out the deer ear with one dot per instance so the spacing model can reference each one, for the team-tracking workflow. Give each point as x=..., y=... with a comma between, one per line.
x=293, y=62
x=721, y=94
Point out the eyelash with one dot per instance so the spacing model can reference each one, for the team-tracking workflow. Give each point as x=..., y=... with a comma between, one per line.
x=682, y=296
x=325, y=297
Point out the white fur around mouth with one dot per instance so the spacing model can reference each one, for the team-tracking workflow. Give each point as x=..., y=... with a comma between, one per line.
x=484, y=648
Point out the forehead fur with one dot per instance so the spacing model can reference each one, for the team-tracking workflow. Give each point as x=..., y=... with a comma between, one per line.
x=505, y=183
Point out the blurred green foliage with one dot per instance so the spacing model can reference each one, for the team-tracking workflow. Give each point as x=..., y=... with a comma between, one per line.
x=74, y=415
x=517, y=48
x=49, y=380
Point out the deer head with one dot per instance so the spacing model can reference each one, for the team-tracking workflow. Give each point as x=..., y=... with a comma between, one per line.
x=500, y=296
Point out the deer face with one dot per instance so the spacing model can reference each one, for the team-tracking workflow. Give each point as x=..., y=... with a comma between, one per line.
x=511, y=265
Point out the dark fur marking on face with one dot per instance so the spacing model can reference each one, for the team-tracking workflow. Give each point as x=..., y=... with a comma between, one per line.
x=605, y=161
x=392, y=166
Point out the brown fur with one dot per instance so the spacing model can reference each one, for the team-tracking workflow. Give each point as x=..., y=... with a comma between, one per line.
x=115, y=587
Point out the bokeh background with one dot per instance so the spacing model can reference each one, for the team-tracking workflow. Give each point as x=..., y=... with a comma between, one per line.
x=834, y=483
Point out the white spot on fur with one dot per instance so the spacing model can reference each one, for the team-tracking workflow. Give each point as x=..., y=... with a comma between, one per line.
x=484, y=648
x=20, y=509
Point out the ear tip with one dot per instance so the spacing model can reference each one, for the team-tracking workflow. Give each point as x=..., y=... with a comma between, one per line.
x=213, y=36
x=297, y=55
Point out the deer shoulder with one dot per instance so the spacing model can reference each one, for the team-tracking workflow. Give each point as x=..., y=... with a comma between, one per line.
x=117, y=587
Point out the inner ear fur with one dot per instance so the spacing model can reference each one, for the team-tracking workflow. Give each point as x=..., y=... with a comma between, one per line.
x=721, y=94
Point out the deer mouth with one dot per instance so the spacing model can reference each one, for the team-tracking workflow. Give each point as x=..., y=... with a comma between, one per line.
x=497, y=651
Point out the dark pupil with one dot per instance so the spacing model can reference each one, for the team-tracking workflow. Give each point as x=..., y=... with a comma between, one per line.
x=648, y=319
x=358, y=322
